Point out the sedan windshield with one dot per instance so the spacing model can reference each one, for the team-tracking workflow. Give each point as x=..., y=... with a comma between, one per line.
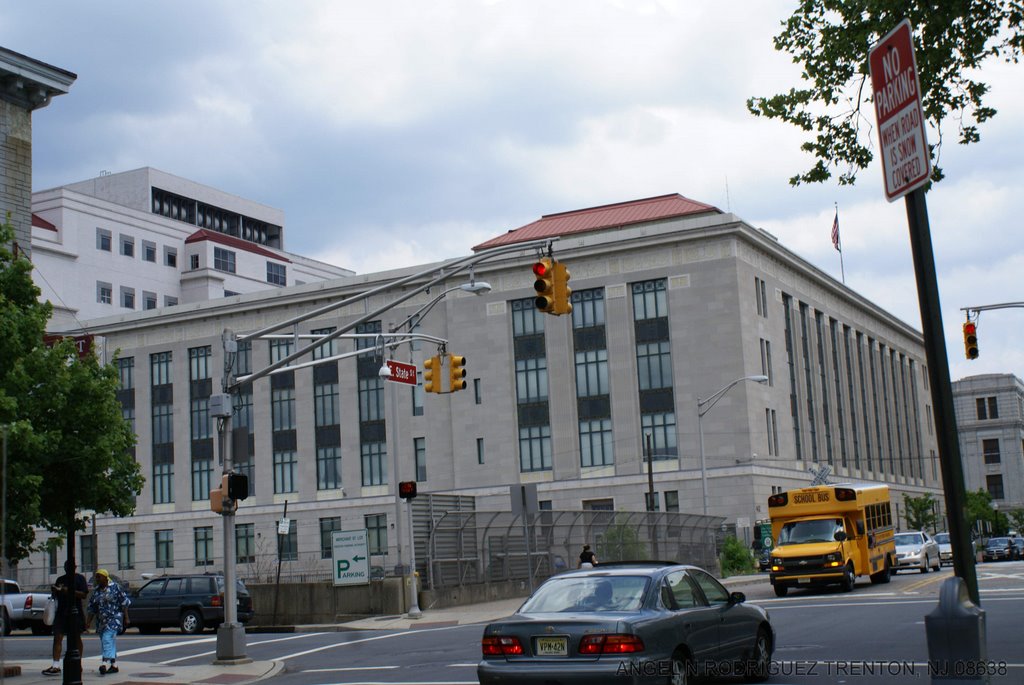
x=998, y=542
x=942, y=538
x=588, y=593
x=818, y=530
x=908, y=539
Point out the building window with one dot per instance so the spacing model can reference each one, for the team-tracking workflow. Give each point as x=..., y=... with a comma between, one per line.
x=285, y=466
x=761, y=297
x=203, y=537
x=193, y=262
x=163, y=483
x=596, y=444
x=377, y=533
x=288, y=544
x=671, y=500
x=170, y=301
x=766, y=361
x=479, y=450
x=276, y=274
x=87, y=545
x=535, y=448
x=990, y=448
x=654, y=365
x=419, y=450
x=127, y=297
x=328, y=468
x=417, y=396
x=245, y=543
x=171, y=257
x=148, y=300
x=662, y=429
x=103, y=241
x=371, y=400
x=148, y=251
x=374, y=469
x=328, y=349
x=651, y=501
x=772, y=426
x=202, y=472
x=325, y=404
x=994, y=482
x=125, y=551
x=127, y=246
x=280, y=348
x=327, y=528
x=126, y=372
x=104, y=293
x=987, y=408
x=477, y=392
x=243, y=362
x=223, y=260
x=282, y=409
x=164, y=548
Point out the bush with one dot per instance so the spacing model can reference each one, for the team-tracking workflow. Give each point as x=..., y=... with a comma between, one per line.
x=735, y=558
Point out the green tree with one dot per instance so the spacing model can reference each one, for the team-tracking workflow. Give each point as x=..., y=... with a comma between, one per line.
x=68, y=441
x=735, y=558
x=920, y=512
x=620, y=542
x=831, y=40
x=1016, y=519
x=978, y=509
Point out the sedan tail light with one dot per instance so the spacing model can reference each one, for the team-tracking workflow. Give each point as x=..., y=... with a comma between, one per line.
x=217, y=600
x=611, y=644
x=501, y=645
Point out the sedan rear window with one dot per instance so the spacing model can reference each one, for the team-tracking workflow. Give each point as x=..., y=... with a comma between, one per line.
x=588, y=594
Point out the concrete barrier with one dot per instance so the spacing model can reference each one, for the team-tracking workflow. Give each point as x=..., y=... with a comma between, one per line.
x=312, y=603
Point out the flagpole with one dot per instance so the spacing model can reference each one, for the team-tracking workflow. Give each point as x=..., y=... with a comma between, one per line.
x=838, y=244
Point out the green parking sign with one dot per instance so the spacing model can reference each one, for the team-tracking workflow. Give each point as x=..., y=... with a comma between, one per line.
x=350, y=556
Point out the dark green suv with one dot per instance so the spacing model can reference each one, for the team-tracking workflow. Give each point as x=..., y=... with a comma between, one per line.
x=192, y=602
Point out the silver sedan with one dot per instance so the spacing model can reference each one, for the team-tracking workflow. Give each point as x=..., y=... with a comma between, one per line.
x=918, y=550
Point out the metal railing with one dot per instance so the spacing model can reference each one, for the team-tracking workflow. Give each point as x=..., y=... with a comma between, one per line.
x=471, y=547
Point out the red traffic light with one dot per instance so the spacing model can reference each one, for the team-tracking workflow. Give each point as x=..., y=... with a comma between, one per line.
x=540, y=269
x=407, y=489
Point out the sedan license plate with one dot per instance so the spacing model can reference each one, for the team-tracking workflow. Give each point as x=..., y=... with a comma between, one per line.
x=803, y=580
x=552, y=646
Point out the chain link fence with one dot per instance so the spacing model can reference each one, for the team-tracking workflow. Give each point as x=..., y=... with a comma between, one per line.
x=470, y=547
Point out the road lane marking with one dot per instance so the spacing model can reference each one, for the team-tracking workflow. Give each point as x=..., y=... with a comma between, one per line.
x=870, y=604
x=373, y=639
x=347, y=668
x=154, y=648
x=251, y=644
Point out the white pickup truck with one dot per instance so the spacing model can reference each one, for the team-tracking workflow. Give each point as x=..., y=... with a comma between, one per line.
x=22, y=609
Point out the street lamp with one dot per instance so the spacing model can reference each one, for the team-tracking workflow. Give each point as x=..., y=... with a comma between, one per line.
x=703, y=407
x=477, y=288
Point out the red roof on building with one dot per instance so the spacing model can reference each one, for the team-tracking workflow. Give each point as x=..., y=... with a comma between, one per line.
x=40, y=222
x=231, y=241
x=602, y=218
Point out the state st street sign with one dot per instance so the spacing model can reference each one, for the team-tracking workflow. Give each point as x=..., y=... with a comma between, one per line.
x=906, y=161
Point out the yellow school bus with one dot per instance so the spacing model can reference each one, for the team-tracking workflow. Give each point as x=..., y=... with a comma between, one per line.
x=831, y=534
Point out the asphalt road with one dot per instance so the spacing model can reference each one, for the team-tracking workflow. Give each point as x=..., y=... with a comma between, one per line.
x=875, y=634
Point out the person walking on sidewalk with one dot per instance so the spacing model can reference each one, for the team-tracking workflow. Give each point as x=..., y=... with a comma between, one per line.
x=62, y=621
x=109, y=604
x=587, y=558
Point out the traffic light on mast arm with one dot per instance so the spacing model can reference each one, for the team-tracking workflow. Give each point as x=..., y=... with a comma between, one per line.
x=971, y=340
x=456, y=373
x=432, y=374
x=544, y=272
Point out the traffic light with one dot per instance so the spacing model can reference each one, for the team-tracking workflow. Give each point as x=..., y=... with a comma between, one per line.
x=971, y=340
x=563, y=293
x=456, y=373
x=545, y=285
x=432, y=374
x=238, y=486
x=219, y=495
x=407, y=489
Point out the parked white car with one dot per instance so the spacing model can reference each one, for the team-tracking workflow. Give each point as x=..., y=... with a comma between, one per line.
x=945, y=548
x=916, y=549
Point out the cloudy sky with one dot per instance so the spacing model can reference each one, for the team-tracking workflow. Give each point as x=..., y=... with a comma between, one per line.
x=401, y=132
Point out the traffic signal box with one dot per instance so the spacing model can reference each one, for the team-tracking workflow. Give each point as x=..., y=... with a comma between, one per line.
x=552, y=286
x=456, y=373
x=432, y=374
x=544, y=285
x=971, y=340
x=407, y=489
x=219, y=495
x=234, y=487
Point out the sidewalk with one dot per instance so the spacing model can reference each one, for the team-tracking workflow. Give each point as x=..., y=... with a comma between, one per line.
x=142, y=672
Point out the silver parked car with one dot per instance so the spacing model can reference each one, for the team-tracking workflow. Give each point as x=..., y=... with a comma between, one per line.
x=945, y=548
x=916, y=549
x=628, y=623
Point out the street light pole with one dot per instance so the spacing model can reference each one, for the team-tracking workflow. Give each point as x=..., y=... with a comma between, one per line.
x=703, y=407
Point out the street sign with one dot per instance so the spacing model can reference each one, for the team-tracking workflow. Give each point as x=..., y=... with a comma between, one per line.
x=401, y=373
x=906, y=162
x=283, y=526
x=349, y=557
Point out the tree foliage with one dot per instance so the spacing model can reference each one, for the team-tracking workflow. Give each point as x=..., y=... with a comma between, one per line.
x=67, y=441
x=620, y=541
x=1016, y=519
x=831, y=40
x=920, y=512
x=735, y=558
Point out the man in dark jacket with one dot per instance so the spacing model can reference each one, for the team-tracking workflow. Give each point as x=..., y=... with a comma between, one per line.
x=62, y=622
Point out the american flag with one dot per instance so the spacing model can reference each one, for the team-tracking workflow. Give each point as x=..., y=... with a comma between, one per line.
x=835, y=232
